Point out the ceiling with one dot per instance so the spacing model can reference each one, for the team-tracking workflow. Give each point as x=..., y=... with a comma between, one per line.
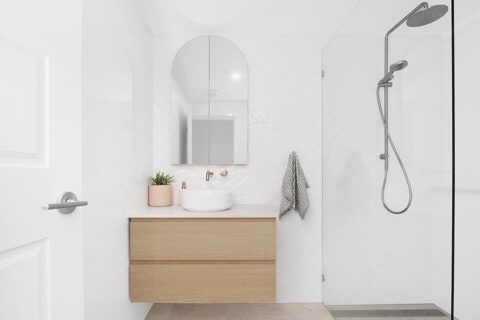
x=248, y=16
x=287, y=16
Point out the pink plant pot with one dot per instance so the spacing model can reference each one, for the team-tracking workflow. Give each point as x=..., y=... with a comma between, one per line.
x=159, y=196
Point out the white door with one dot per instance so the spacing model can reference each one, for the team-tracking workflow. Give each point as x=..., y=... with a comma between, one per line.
x=40, y=157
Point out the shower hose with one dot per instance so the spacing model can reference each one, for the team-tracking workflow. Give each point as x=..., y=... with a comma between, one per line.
x=400, y=162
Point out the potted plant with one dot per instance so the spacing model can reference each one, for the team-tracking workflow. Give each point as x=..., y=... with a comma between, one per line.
x=160, y=190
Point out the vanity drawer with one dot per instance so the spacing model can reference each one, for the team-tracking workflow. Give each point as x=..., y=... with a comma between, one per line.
x=203, y=239
x=203, y=282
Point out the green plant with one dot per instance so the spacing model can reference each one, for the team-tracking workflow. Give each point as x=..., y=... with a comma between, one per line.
x=161, y=179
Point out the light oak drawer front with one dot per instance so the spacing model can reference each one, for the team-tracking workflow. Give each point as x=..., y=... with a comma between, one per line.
x=203, y=282
x=202, y=239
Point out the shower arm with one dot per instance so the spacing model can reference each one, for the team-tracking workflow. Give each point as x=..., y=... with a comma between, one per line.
x=423, y=5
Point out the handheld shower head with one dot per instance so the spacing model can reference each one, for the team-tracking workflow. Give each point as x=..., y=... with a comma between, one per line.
x=427, y=15
x=397, y=66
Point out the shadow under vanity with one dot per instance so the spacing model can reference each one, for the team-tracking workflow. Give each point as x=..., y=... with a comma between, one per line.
x=178, y=256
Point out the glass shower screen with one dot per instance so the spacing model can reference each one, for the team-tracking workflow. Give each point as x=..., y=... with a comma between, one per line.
x=377, y=263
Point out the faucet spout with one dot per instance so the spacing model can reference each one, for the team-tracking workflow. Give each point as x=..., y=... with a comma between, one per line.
x=208, y=174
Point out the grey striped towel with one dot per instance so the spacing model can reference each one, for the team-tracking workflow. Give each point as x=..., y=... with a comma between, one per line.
x=294, y=188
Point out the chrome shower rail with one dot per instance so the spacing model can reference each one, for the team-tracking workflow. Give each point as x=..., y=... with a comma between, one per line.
x=422, y=15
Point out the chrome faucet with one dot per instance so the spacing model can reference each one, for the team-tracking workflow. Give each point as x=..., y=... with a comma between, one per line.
x=208, y=174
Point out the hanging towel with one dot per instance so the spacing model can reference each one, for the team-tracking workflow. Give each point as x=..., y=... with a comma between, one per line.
x=294, y=188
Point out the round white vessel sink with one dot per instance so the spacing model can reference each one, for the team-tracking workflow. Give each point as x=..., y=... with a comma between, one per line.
x=205, y=200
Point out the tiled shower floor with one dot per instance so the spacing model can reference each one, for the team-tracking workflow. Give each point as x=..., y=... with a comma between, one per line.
x=390, y=312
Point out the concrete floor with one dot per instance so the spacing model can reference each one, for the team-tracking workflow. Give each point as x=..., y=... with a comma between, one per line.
x=296, y=311
x=286, y=311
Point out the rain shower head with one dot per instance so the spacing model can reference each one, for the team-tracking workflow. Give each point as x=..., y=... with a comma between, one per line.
x=427, y=15
x=397, y=66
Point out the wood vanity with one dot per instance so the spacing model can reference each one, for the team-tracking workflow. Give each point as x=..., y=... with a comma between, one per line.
x=178, y=256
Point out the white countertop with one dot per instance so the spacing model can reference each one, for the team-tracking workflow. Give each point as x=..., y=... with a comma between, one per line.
x=176, y=211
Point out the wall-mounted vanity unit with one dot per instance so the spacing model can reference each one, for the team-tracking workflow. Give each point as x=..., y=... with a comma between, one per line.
x=177, y=256
x=209, y=92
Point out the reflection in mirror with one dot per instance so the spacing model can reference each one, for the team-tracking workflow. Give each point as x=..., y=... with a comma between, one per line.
x=209, y=117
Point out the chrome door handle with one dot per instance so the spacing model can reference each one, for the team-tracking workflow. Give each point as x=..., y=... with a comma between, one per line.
x=67, y=202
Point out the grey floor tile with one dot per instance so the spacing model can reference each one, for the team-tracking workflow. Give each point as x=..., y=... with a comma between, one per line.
x=388, y=312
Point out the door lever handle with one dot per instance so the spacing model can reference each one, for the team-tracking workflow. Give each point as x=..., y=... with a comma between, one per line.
x=67, y=202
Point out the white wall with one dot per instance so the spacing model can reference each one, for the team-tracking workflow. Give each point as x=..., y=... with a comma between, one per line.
x=467, y=284
x=285, y=83
x=284, y=57
x=117, y=146
x=285, y=65
x=372, y=256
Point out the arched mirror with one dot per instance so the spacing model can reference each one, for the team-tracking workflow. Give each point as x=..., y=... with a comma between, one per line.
x=209, y=117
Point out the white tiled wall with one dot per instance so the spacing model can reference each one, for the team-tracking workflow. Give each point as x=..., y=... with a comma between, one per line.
x=117, y=148
x=372, y=256
x=467, y=282
x=285, y=84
